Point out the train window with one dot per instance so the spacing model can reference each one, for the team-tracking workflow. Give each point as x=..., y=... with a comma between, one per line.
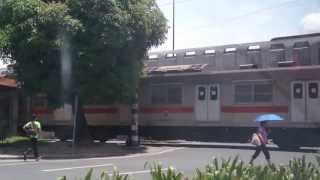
x=263, y=92
x=153, y=56
x=166, y=94
x=159, y=94
x=254, y=55
x=278, y=46
x=277, y=52
x=171, y=55
x=243, y=93
x=253, y=92
x=301, y=44
x=301, y=53
x=230, y=50
x=174, y=95
x=254, y=48
x=209, y=52
x=201, y=93
x=190, y=53
x=213, y=93
x=313, y=90
x=298, y=91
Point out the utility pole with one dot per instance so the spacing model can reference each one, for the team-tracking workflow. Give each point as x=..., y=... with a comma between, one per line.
x=75, y=116
x=173, y=14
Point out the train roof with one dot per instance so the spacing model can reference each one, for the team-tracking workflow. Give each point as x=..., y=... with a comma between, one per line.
x=237, y=45
x=296, y=36
x=279, y=52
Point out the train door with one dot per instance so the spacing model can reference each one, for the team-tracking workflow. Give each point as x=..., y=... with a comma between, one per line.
x=313, y=101
x=298, y=101
x=214, y=103
x=305, y=101
x=207, y=103
x=201, y=103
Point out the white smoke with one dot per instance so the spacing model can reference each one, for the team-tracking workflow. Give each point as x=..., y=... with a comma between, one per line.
x=311, y=23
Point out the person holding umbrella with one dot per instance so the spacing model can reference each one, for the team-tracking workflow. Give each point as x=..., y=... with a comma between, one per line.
x=262, y=136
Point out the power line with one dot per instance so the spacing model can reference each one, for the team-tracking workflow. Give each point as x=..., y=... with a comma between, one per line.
x=257, y=11
x=228, y=20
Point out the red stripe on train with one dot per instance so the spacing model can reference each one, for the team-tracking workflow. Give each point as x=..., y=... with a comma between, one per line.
x=110, y=110
x=166, y=110
x=225, y=109
x=254, y=109
x=41, y=110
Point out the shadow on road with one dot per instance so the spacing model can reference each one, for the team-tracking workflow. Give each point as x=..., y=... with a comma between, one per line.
x=64, y=150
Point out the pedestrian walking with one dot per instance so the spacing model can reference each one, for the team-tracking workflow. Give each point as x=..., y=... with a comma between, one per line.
x=260, y=139
x=33, y=129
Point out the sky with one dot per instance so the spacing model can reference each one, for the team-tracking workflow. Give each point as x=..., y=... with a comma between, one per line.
x=200, y=23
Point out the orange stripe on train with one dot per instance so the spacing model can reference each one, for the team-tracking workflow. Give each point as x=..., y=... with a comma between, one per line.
x=166, y=110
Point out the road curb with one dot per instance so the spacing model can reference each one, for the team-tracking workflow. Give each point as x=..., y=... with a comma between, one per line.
x=202, y=145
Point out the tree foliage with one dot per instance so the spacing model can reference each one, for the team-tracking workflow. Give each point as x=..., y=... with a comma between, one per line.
x=108, y=39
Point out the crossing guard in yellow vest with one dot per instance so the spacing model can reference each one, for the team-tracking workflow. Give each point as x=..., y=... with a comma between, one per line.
x=33, y=129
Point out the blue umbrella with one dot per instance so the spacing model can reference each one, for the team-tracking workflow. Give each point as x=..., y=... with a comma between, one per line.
x=269, y=117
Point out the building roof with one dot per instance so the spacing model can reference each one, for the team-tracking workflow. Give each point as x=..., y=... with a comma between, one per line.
x=6, y=82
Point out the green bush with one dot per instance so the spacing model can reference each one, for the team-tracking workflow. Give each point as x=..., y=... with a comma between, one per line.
x=158, y=173
x=230, y=169
x=298, y=169
x=115, y=175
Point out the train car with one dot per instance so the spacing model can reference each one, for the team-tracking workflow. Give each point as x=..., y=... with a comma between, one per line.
x=215, y=93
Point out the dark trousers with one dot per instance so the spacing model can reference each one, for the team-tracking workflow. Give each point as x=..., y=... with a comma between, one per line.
x=262, y=148
x=34, y=147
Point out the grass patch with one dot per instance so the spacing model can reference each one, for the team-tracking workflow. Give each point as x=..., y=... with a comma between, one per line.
x=15, y=140
x=19, y=141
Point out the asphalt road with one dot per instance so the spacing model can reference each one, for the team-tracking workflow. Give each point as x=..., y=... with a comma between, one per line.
x=184, y=159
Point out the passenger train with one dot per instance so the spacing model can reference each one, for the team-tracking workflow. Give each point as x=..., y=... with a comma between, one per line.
x=215, y=93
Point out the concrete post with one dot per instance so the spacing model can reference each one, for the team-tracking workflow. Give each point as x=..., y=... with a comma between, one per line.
x=134, y=141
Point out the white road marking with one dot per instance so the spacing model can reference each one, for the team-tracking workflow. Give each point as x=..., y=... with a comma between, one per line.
x=76, y=167
x=101, y=158
x=135, y=156
x=116, y=157
x=137, y=172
